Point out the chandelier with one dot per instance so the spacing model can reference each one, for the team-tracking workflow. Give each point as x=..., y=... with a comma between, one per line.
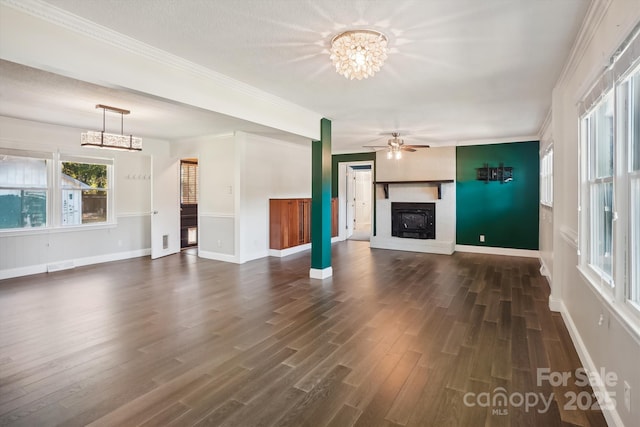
x=358, y=54
x=111, y=140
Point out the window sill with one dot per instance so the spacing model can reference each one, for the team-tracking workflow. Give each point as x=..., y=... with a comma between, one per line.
x=625, y=314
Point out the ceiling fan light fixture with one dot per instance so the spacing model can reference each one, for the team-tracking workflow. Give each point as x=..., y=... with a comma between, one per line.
x=358, y=54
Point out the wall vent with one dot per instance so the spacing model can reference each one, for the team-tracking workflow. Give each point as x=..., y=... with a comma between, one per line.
x=165, y=241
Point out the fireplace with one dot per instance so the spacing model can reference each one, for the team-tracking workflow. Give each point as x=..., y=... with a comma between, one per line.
x=413, y=220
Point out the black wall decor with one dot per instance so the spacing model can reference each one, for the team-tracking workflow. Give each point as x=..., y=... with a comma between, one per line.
x=501, y=173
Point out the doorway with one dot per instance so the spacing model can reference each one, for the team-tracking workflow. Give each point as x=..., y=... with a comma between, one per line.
x=356, y=199
x=188, y=203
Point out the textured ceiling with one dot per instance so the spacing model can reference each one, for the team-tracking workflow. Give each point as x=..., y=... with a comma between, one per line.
x=33, y=94
x=458, y=70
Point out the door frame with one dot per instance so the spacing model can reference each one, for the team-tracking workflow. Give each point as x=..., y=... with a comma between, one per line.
x=196, y=160
x=342, y=196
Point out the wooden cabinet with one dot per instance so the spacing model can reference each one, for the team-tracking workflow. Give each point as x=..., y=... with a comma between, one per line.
x=334, y=217
x=290, y=222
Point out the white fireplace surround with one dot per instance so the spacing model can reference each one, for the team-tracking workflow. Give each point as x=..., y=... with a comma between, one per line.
x=430, y=164
x=444, y=243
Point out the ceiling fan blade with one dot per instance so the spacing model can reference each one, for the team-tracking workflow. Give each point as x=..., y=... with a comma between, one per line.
x=375, y=146
x=417, y=145
x=406, y=148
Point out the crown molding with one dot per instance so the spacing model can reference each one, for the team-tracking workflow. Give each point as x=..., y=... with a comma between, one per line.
x=595, y=14
x=546, y=123
x=85, y=27
x=507, y=140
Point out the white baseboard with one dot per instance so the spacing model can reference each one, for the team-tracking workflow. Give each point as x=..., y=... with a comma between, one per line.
x=610, y=414
x=544, y=271
x=111, y=257
x=59, y=266
x=217, y=256
x=317, y=273
x=527, y=253
x=289, y=251
x=71, y=263
x=252, y=256
x=23, y=271
x=555, y=304
x=412, y=245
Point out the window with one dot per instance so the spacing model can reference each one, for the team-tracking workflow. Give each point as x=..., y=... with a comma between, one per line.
x=609, y=251
x=84, y=193
x=629, y=94
x=598, y=128
x=546, y=178
x=35, y=194
x=24, y=191
x=188, y=183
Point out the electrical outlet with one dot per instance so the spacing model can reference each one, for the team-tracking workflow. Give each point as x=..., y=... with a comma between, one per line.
x=482, y=238
x=627, y=396
x=219, y=243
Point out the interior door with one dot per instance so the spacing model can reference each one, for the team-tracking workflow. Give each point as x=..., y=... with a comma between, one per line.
x=351, y=200
x=363, y=200
x=165, y=202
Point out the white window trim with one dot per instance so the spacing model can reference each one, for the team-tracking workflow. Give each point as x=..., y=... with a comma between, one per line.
x=592, y=273
x=54, y=204
x=111, y=216
x=50, y=159
x=618, y=297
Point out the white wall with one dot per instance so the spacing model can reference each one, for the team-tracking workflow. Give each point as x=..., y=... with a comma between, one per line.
x=33, y=251
x=269, y=169
x=438, y=163
x=614, y=346
x=239, y=173
x=216, y=205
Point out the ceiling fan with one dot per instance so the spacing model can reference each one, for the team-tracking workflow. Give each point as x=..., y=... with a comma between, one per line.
x=395, y=146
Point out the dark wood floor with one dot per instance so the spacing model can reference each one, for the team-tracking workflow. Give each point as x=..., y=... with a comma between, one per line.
x=393, y=339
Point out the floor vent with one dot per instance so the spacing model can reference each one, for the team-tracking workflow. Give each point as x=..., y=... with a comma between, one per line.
x=165, y=241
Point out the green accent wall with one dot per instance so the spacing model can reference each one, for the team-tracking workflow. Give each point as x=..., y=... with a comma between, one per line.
x=321, y=198
x=507, y=213
x=353, y=157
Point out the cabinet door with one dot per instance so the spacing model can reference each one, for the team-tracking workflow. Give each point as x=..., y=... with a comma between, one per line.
x=306, y=217
x=289, y=222
x=277, y=220
x=291, y=226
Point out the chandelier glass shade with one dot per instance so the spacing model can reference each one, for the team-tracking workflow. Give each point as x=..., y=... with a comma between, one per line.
x=103, y=139
x=394, y=149
x=111, y=140
x=358, y=54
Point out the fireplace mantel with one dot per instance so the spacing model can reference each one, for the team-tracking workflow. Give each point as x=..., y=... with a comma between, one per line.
x=385, y=185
